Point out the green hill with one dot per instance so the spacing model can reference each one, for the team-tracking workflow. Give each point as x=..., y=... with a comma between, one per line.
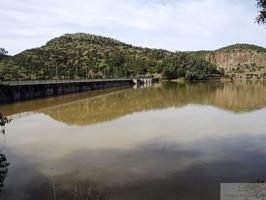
x=243, y=47
x=75, y=56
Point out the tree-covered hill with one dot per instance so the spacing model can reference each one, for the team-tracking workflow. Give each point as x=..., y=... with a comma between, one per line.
x=75, y=56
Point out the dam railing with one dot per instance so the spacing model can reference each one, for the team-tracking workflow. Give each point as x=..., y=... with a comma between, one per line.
x=40, y=82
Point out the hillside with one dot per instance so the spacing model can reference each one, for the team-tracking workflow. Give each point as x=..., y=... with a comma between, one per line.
x=74, y=56
x=240, y=61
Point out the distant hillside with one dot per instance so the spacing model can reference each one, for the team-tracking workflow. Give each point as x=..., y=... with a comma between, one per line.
x=240, y=61
x=244, y=46
x=74, y=56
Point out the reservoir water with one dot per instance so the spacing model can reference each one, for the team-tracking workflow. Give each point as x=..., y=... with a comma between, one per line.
x=167, y=141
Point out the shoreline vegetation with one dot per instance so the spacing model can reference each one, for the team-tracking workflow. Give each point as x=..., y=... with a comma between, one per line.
x=80, y=56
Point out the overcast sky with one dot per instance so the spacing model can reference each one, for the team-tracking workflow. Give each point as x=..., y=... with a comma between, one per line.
x=168, y=24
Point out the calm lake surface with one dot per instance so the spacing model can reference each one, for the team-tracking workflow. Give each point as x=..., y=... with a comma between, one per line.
x=169, y=141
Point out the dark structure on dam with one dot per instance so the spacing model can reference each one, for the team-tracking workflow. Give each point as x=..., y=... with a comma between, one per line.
x=12, y=91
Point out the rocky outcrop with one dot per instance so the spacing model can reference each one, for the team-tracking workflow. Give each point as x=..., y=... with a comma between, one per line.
x=240, y=62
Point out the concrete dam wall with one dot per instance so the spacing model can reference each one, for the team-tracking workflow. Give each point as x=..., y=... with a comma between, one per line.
x=25, y=90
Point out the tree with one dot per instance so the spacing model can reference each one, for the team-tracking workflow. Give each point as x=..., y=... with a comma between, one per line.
x=169, y=71
x=3, y=169
x=261, y=19
x=3, y=161
x=3, y=52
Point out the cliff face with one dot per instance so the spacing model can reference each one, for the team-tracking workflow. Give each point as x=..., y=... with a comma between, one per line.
x=243, y=63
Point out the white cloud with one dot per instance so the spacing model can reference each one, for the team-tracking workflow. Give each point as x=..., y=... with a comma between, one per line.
x=168, y=24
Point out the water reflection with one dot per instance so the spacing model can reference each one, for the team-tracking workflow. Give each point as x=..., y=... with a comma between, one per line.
x=33, y=105
x=236, y=97
x=99, y=106
x=181, y=147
